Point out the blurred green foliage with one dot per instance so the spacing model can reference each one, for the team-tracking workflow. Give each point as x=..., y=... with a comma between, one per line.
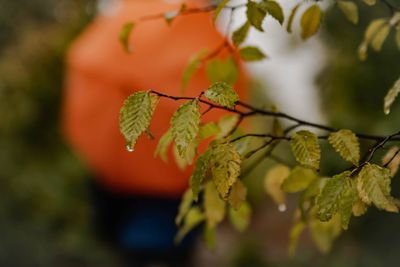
x=44, y=211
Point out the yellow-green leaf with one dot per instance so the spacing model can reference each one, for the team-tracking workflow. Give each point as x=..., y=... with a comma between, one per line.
x=255, y=15
x=219, y=8
x=240, y=219
x=222, y=94
x=373, y=185
x=163, y=145
x=350, y=10
x=324, y=233
x=180, y=161
x=191, y=68
x=135, y=116
x=373, y=28
x=310, y=21
x=199, y=173
x=294, y=236
x=237, y=195
x=370, y=2
x=274, y=9
x=251, y=53
x=359, y=208
x=226, y=124
x=392, y=160
x=338, y=195
x=305, y=148
x=207, y=130
x=225, y=167
x=273, y=182
x=185, y=125
x=391, y=96
x=380, y=37
x=346, y=203
x=345, y=142
x=291, y=17
x=299, y=179
x=240, y=34
x=210, y=237
x=214, y=206
x=184, y=206
x=192, y=219
x=124, y=35
x=328, y=201
x=219, y=70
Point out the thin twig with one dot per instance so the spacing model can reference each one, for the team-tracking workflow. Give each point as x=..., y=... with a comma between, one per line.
x=253, y=111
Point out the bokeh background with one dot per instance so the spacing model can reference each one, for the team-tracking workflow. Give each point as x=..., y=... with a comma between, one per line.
x=44, y=212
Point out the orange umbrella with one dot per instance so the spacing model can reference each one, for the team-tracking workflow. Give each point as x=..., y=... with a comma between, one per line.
x=100, y=76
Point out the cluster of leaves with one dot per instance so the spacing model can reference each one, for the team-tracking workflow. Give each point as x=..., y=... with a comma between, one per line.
x=326, y=205
x=216, y=172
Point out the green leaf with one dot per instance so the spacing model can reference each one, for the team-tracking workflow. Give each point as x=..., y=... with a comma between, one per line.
x=240, y=219
x=185, y=125
x=251, y=53
x=226, y=124
x=338, y=195
x=225, y=167
x=310, y=21
x=219, y=8
x=294, y=236
x=222, y=71
x=373, y=185
x=163, y=145
x=273, y=9
x=273, y=182
x=370, y=2
x=222, y=94
x=328, y=201
x=324, y=233
x=199, y=173
x=192, y=219
x=214, y=206
x=291, y=17
x=237, y=195
x=398, y=38
x=207, y=130
x=184, y=206
x=135, y=116
x=346, y=204
x=255, y=15
x=125, y=34
x=391, y=96
x=345, y=142
x=192, y=67
x=299, y=179
x=240, y=34
x=306, y=149
x=350, y=10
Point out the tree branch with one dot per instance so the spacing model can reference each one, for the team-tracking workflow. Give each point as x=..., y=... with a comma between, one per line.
x=254, y=111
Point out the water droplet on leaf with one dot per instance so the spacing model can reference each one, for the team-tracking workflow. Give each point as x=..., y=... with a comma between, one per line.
x=282, y=207
x=129, y=148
